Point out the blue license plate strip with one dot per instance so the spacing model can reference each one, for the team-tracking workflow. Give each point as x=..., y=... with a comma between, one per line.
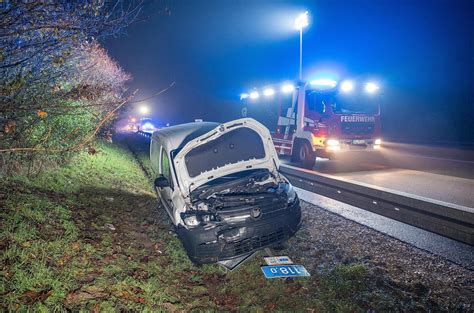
x=278, y=271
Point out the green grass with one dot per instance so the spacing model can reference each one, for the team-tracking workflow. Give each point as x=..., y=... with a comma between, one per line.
x=58, y=252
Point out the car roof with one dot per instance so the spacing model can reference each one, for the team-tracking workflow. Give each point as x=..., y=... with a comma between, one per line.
x=174, y=137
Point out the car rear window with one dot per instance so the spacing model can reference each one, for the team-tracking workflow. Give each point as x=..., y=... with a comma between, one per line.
x=241, y=144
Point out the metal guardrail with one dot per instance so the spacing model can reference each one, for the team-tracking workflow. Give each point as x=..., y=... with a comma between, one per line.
x=144, y=134
x=450, y=220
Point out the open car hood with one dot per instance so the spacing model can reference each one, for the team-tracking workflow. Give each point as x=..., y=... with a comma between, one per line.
x=232, y=147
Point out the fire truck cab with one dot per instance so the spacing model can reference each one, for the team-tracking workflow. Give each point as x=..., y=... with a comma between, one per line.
x=335, y=117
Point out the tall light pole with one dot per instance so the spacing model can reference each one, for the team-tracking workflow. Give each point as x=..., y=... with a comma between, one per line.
x=301, y=22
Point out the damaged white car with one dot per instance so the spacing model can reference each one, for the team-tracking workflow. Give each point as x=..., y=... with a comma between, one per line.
x=221, y=187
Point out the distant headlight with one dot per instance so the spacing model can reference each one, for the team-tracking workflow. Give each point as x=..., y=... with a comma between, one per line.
x=332, y=142
x=371, y=87
x=378, y=141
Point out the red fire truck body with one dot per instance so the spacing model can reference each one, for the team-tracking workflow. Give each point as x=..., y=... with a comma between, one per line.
x=336, y=118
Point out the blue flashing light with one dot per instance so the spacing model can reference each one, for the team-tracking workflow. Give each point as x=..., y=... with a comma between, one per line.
x=148, y=126
x=347, y=86
x=324, y=82
x=371, y=87
x=269, y=92
x=254, y=95
x=244, y=96
x=287, y=88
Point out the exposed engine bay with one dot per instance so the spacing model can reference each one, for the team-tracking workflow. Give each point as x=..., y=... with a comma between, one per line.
x=239, y=197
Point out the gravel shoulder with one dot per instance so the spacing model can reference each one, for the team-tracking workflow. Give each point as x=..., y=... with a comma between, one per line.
x=419, y=280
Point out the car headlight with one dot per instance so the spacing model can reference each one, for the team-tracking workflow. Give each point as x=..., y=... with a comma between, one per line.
x=191, y=220
x=197, y=218
x=286, y=188
x=291, y=193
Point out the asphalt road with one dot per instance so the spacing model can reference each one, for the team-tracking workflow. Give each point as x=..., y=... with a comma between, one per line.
x=440, y=173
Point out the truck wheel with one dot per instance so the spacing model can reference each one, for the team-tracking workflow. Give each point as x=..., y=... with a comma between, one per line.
x=304, y=154
x=294, y=154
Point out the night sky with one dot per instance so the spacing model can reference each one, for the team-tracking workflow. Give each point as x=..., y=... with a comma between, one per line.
x=421, y=53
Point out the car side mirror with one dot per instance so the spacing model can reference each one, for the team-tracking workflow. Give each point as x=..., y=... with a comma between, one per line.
x=161, y=182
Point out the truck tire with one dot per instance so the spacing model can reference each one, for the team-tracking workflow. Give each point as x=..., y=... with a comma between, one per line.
x=304, y=155
x=294, y=152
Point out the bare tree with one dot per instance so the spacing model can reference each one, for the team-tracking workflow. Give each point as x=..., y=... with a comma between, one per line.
x=57, y=84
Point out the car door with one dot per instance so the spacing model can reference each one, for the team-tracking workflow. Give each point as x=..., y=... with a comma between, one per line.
x=166, y=192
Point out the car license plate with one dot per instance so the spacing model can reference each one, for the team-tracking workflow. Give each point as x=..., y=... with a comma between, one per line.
x=275, y=271
x=358, y=142
x=277, y=260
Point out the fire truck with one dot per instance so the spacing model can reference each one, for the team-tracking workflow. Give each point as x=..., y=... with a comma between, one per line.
x=320, y=118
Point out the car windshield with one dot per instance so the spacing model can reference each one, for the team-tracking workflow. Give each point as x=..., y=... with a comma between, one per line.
x=342, y=103
x=241, y=144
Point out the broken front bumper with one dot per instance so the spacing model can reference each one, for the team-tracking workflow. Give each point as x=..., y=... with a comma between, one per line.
x=224, y=242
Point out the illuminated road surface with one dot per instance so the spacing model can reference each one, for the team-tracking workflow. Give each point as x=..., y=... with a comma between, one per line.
x=435, y=186
x=437, y=173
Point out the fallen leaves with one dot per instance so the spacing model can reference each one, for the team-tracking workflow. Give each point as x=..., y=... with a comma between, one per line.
x=170, y=307
x=88, y=278
x=76, y=246
x=91, y=150
x=110, y=226
x=85, y=294
x=26, y=244
x=41, y=114
x=130, y=297
x=9, y=126
x=31, y=296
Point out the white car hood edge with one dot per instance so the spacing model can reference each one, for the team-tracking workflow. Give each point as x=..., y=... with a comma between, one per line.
x=187, y=184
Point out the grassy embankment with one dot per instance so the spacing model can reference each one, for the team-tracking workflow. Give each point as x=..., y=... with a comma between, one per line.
x=89, y=235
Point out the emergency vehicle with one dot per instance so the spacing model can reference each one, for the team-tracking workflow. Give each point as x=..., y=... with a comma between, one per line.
x=336, y=117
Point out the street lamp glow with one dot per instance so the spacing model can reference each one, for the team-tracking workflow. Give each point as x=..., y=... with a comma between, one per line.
x=268, y=92
x=144, y=109
x=244, y=96
x=254, y=95
x=324, y=82
x=302, y=21
x=371, y=87
x=347, y=86
x=287, y=88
